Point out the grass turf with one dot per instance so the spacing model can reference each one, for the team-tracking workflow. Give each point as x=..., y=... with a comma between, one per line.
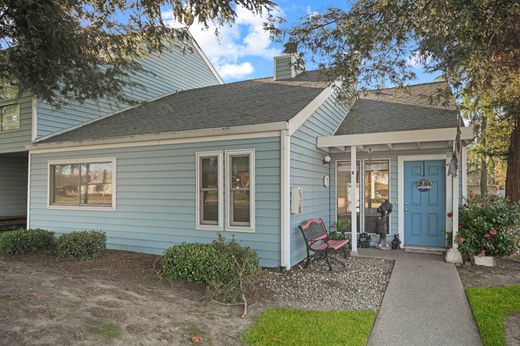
x=490, y=308
x=305, y=327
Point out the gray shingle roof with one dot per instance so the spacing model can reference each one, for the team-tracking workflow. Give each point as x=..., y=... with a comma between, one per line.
x=242, y=103
x=395, y=109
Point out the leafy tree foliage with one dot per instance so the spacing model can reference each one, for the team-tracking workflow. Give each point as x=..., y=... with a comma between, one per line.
x=475, y=44
x=84, y=49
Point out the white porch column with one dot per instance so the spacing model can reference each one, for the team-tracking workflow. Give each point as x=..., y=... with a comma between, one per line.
x=453, y=255
x=353, y=224
x=464, y=159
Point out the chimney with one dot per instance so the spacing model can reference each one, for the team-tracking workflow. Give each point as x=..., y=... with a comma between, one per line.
x=285, y=66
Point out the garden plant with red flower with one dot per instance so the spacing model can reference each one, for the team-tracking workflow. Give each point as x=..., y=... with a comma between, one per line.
x=489, y=225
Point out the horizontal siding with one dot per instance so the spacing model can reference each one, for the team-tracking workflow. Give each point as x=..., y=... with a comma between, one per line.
x=15, y=141
x=308, y=170
x=163, y=74
x=283, y=67
x=156, y=198
x=13, y=186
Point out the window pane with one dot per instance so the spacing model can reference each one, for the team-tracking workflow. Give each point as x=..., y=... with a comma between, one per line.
x=240, y=212
x=377, y=190
x=240, y=172
x=8, y=91
x=209, y=172
x=96, y=183
x=10, y=117
x=66, y=182
x=344, y=186
x=209, y=206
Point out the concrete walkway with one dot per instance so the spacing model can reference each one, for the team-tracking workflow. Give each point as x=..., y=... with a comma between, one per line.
x=424, y=304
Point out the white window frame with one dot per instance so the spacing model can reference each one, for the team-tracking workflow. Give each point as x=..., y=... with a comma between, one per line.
x=220, y=224
x=51, y=163
x=252, y=195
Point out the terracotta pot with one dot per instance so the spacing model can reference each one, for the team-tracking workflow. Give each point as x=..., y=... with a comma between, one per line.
x=486, y=261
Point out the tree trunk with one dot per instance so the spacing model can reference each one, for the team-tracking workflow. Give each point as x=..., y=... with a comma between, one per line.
x=513, y=162
x=483, y=162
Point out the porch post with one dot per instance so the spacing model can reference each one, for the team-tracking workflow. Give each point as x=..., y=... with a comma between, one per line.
x=453, y=255
x=353, y=224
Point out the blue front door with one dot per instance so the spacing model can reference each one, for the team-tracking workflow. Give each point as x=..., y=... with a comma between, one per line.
x=425, y=212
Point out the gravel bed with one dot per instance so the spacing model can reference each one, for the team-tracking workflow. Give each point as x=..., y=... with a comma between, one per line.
x=358, y=286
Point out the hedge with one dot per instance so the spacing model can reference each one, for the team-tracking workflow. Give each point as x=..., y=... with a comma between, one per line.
x=81, y=245
x=25, y=241
x=227, y=268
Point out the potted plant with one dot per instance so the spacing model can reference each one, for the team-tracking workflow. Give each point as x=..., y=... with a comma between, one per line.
x=340, y=227
x=488, y=228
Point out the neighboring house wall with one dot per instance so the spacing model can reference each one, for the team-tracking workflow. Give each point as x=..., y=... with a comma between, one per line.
x=16, y=140
x=308, y=169
x=156, y=190
x=171, y=71
x=13, y=186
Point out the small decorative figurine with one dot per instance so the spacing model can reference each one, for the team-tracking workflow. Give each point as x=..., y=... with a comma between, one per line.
x=396, y=242
x=381, y=227
x=364, y=240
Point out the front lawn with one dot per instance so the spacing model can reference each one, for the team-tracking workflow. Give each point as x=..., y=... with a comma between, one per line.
x=308, y=327
x=490, y=308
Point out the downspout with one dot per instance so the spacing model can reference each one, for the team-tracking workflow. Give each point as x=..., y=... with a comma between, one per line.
x=285, y=195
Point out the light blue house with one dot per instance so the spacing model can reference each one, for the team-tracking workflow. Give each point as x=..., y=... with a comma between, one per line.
x=251, y=159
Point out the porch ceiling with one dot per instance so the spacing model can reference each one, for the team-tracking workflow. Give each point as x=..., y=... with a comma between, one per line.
x=397, y=140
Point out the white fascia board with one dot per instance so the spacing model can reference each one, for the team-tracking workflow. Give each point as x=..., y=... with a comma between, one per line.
x=205, y=58
x=189, y=136
x=302, y=116
x=412, y=136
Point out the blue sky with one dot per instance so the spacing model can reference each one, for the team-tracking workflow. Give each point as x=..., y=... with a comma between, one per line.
x=245, y=51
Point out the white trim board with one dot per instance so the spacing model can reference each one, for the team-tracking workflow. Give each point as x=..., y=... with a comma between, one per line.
x=396, y=137
x=299, y=119
x=400, y=188
x=206, y=60
x=285, y=203
x=149, y=140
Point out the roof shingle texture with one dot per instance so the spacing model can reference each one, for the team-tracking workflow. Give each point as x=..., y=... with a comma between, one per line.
x=417, y=107
x=242, y=103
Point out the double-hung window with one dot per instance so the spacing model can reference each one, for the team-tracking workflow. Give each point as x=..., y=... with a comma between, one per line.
x=82, y=184
x=238, y=177
x=210, y=204
x=240, y=170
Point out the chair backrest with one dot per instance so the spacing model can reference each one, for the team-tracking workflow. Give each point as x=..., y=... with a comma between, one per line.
x=313, y=230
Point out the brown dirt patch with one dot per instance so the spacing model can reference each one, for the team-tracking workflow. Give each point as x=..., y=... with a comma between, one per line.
x=120, y=300
x=506, y=272
x=117, y=300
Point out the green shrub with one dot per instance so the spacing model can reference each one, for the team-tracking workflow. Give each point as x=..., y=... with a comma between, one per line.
x=191, y=262
x=225, y=267
x=489, y=226
x=82, y=245
x=25, y=241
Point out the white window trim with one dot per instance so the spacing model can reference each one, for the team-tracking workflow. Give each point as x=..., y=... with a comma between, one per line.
x=220, y=225
x=79, y=161
x=252, y=195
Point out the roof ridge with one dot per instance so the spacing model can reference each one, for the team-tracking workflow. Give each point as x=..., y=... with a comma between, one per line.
x=408, y=86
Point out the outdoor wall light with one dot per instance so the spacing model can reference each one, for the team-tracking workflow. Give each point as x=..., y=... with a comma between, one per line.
x=326, y=159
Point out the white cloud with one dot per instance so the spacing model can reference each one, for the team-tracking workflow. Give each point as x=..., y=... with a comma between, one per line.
x=246, y=38
x=236, y=71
